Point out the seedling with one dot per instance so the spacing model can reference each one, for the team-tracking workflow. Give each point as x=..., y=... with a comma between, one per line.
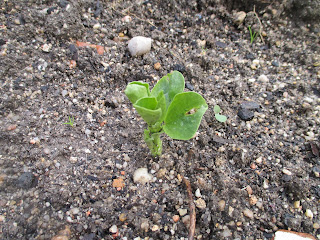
x=253, y=35
x=167, y=109
x=219, y=117
x=71, y=121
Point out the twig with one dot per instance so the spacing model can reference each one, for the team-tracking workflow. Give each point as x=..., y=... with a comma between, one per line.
x=260, y=24
x=192, y=209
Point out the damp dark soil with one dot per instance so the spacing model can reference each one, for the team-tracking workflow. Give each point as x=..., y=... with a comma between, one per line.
x=68, y=62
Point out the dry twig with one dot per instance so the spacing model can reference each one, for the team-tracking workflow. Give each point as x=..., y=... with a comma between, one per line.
x=192, y=209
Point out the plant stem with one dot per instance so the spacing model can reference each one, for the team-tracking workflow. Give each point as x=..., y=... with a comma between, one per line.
x=153, y=141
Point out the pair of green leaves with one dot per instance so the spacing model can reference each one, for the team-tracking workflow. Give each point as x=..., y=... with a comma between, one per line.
x=166, y=107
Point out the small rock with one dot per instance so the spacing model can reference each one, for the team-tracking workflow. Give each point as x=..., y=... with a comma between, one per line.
x=63, y=234
x=221, y=205
x=141, y=175
x=113, y=229
x=316, y=225
x=226, y=233
x=249, y=190
x=248, y=213
x=155, y=228
x=239, y=17
x=253, y=200
x=250, y=105
x=296, y=204
x=245, y=114
x=182, y=211
x=145, y=225
x=189, y=86
x=74, y=211
x=64, y=93
x=139, y=46
x=122, y=217
x=186, y=220
x=198, y=193
x=309, y=213
x=157, y=66
x=27, y=180
x=175, y=218
x=286, y=172
x=127, y=19
x=275, y=63
x=97, y=26
x=200, y=203
x=263, y=78
x=46, y=47
x=11, y=127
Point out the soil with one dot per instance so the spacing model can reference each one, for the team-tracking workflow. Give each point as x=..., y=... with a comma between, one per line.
x=256, y=173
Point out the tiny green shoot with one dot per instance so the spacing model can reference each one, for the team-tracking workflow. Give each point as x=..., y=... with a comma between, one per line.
x=167, y=109
x=219, y=117
x=253, y=35
x=71, y=121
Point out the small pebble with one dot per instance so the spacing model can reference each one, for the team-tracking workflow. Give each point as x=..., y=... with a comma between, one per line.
x=46, y=47
x=113, y=229
x=175, y=218
x=287, y=172
x=141, y=175
x=122, y=217
x=221, y=205
x=249, y=190
x=155, y=228
x=182, y=211
x=239, y=17
x=309, y=213
x=139, y=46
x=11, y=127
x=316, y=225
x=296, y=204
x=157, y=66
x=248, y=213
x=200, y=203
x=198, y=193
x=253, y=200
x=263, y=78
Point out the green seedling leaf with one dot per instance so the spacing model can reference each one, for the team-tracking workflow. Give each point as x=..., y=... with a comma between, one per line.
x=147, y=108
x=137, y=90
x=184, y=115
x=216, y=109
x=71, y=121
x=220, y=118
x=171, y=84
x=162, y=104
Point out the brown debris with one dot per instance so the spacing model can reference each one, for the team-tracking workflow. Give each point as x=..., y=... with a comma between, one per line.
x=192, y=210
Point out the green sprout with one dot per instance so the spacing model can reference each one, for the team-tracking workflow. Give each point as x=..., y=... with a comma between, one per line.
x=167, y=109
x=219, y=117
x=71, y=121
x=253, y=35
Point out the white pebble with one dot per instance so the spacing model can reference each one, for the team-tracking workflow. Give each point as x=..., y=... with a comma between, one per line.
x=198, y=193
x=248, y=213
x=263, y=78
x=141, y=175
x=139, y=45
x=113, y=229
x=286, y=172
x=309, y=213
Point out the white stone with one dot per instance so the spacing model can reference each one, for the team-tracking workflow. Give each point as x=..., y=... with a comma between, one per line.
x=309, y=213
x=139, y=46
x=198, y=193
x=113, y=229
x=141, y=175
x=263, y=78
